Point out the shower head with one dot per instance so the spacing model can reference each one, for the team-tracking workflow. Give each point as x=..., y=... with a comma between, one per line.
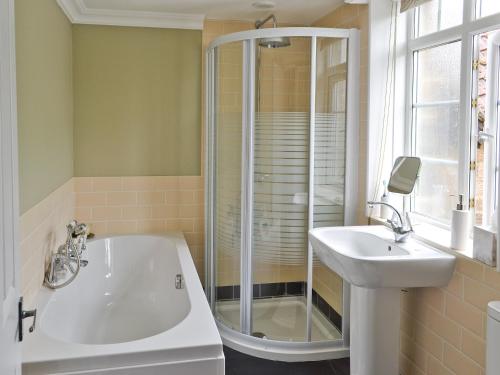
x=275, y=42
x=272, y=42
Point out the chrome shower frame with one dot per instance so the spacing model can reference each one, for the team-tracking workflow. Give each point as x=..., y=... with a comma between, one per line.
x=242, y=341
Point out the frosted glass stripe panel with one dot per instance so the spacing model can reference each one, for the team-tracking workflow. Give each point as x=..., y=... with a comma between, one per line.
x=281, y=182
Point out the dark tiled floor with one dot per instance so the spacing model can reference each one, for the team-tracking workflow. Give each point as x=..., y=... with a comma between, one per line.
x=242, y=364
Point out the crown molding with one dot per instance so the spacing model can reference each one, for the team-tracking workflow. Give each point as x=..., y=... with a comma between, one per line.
x=78, y=13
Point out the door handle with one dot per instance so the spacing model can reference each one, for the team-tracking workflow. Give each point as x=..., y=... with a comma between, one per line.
x=23, y=314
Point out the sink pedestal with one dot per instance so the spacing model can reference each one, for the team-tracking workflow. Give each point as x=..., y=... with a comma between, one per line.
x=375, y=323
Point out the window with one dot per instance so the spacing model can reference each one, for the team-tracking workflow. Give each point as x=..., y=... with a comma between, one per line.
x=448, y=92
x=437, y=15
x=435, y=119
x=487, y=7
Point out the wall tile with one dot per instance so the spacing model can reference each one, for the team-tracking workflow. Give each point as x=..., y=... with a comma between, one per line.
x=82, y=184
x=456, y=285
x=429, y=341
x=436, y=367
x=413, y=351
x=106, y=184
x=151, y=226
x=137, y=212
x=468, y=267
x=151, y=197
x=408, y=367
x=492, y=277
x=473, y=346
x=166, y=183
x=142, y=183
x=90, y=199
x=104, y=213
x=459, y=363
x=479, y=294
x=125, y=198
x=121, y=227
x=464, y=314
x=165, y=212
x=443, y=327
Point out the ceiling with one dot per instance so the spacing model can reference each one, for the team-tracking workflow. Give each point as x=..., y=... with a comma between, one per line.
x=300, y=12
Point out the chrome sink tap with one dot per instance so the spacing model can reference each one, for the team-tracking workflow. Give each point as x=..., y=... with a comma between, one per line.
x=402, y=229
x=68, y=257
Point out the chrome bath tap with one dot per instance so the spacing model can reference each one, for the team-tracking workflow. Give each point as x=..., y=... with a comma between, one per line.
x=68, y=257
x=402, y=229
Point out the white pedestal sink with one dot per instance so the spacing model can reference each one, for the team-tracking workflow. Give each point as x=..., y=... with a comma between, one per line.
x=377, y=268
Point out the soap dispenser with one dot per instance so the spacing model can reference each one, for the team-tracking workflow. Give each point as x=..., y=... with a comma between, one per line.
x=460, y=221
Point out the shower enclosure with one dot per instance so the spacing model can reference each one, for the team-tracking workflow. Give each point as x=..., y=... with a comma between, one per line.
x=281, y=158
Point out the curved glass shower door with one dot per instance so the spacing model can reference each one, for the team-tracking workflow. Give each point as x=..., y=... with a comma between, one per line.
x=281, y=143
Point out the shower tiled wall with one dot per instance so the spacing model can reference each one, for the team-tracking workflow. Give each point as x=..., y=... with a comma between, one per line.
x=150, y=204
x=284, y=78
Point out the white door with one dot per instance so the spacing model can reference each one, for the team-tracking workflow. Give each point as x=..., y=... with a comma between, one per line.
x=10, y=348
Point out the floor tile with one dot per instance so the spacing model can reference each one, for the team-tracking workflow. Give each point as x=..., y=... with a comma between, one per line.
x=241, y=364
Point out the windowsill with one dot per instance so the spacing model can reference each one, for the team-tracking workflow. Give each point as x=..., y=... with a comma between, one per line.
x=436, y=237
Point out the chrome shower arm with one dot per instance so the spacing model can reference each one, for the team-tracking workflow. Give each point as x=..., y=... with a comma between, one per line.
x=260, y=23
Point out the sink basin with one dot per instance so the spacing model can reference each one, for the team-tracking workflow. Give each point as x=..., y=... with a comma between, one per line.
x=367, y=256
x=377, y=268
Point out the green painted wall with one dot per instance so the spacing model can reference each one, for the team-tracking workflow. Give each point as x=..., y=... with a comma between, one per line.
x=45, y=99
x=137, y=101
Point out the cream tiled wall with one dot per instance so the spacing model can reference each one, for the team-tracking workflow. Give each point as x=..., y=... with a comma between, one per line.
x=42, y=229
x=443, y=330
x=151, y=204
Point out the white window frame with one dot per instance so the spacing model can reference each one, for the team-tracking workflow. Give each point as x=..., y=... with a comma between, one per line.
x=492, y=117
x=464, y=33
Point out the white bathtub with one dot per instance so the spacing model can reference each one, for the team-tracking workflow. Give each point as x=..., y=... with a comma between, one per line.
x=123, y=315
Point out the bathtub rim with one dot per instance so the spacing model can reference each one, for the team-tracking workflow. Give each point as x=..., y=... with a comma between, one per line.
x=183, y=342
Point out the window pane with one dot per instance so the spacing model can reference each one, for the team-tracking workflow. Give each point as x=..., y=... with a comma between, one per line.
x=433, y=193
x=438, y=71
x=438, y=15
x=436, y=128
x=436, y=142
x=488, y=7
x=436, y=133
